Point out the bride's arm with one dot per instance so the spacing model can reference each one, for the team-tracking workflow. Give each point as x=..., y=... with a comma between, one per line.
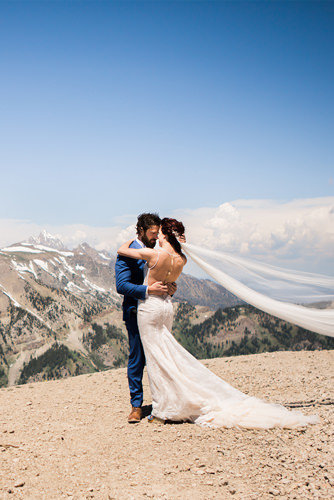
x=136, y=253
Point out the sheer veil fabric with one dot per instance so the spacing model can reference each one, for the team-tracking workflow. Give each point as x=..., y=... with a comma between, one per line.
x=274, y=290
x=183, y=389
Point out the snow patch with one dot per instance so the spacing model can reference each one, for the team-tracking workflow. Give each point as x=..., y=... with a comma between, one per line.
x=10, y=297
x=42, y=264
x=61, y=275
x=20, y=249
x=104, y=256
x=53, y=250
x=67, y=266
x=22, y=268
x=93, y=286
x=72, y=286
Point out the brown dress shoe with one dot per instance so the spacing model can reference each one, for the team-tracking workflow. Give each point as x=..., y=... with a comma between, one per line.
x=134, y=416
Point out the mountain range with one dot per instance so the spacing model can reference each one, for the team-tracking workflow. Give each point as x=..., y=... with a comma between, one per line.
x=60, y=315
x=49, y=293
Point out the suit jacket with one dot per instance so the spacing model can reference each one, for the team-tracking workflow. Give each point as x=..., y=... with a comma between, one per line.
x=129, y=281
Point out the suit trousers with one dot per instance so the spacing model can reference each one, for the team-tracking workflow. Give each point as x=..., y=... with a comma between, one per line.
x=136, y=361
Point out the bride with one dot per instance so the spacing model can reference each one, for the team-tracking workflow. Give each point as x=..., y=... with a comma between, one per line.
x=182, y=388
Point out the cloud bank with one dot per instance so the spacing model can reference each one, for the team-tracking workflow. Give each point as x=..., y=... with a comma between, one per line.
x=297, y=233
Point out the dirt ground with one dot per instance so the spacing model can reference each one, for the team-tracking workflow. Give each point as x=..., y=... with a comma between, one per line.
x=70, y=439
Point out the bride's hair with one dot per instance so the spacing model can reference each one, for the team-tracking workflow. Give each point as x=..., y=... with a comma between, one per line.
x=173, y=229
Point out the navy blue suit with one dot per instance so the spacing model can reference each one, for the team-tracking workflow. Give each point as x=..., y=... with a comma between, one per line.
x=129, y=282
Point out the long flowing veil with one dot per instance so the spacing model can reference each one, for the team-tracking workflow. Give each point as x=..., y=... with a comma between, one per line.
x=298, y=297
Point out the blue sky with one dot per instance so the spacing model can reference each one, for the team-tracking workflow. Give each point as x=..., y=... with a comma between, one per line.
x=110, y=108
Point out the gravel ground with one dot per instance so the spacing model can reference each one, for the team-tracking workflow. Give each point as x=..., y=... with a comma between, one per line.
x=70, y=438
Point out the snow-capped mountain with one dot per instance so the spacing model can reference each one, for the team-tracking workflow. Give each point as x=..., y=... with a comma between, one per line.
x=82, y=270
x=48, y=240
x=49, y=294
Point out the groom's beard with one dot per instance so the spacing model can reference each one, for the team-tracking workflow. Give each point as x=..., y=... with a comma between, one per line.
x=148, y=243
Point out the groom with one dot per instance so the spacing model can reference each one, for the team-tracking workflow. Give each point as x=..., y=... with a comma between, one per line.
x=129, y=282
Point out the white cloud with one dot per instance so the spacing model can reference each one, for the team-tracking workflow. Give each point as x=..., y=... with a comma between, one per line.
x=297, y=233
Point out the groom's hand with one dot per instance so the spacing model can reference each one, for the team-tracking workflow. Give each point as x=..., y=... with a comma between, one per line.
x=171, y=288
x=158, y=288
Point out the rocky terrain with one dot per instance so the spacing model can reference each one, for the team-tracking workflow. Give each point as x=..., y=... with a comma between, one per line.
x=69, y=438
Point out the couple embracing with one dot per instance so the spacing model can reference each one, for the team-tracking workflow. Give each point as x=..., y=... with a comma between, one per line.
x=182, y=388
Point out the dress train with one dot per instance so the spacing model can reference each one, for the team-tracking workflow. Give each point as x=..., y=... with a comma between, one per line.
x=183, y=389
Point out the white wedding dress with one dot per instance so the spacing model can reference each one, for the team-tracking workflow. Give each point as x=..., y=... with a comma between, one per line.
x=183, y=389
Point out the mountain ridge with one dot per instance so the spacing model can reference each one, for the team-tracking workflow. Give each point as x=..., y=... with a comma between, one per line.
x=60, y=315
x=51, y=293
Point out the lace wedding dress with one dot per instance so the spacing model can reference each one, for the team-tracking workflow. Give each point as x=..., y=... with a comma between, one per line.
x=183, y=389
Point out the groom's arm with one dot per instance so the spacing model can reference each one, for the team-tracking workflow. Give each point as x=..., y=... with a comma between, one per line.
x=123, y=281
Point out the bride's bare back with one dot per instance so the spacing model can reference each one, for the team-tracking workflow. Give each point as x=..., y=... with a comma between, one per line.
x=167, y=267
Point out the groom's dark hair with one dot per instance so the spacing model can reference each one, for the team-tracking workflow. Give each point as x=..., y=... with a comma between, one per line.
x=147, y=220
